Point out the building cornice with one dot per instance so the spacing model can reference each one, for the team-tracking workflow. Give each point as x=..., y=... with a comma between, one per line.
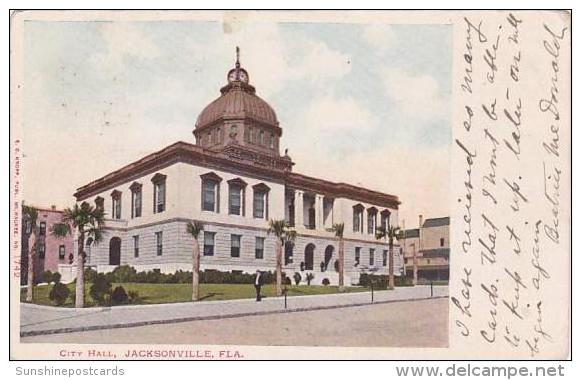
x=271, y=168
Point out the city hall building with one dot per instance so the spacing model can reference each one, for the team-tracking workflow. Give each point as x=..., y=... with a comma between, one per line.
x=233, y=180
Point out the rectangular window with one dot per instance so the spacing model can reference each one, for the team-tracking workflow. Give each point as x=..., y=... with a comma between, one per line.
x=136, y=246
x=209, y=195
x=209, y=243
x=441, y=242
x=28, y=226
x=288, y=253
x=61, y=252
x=385, y=257
x=136, y=203
x=159, y=197
x=235, y=245
x=100, y=203
x=41, y=251
x=159, y=242
x=357, y=256
x=235, y=200
x=371, y=256
x=259, y=198
x=42, y=229
x=261, y=137
x=259, y=250
x=271, y=141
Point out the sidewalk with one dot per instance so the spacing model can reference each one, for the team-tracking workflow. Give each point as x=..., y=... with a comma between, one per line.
x=41, y=320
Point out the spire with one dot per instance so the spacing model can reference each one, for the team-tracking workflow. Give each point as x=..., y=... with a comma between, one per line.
x=237, y=57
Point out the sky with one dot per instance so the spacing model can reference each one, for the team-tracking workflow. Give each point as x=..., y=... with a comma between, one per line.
x=366, y=104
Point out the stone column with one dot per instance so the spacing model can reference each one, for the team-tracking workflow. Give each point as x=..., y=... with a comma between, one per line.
x=318, y=211
x=299, y=218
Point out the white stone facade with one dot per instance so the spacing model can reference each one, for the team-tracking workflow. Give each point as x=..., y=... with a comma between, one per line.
x=183, y=203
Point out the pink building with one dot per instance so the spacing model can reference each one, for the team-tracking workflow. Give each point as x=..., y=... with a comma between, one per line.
x=51, y=251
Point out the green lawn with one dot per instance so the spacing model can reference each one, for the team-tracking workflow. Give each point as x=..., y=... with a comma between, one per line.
x=169, y=293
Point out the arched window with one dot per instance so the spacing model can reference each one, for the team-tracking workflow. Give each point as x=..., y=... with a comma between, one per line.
x=136, y=199
x=116, y=204
x=260, y=201
x=358, y=218
x=211, y=192
x=236, y=195
x=159, y=192
x=371, y=220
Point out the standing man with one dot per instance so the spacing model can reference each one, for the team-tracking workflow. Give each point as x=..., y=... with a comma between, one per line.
x=258, y=284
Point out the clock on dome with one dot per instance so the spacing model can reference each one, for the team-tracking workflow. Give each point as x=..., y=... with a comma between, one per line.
x=237, y=74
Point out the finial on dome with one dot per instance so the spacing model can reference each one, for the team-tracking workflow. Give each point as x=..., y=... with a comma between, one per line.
x=237, y=57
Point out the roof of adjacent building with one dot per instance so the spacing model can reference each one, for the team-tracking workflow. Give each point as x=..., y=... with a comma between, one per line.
x=437, y=222
x=436, y=252
x=411, y=233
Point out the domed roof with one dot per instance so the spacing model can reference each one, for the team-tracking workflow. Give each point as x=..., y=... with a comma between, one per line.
x=238, y=100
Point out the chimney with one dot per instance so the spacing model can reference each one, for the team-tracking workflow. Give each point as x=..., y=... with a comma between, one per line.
x=421, y=220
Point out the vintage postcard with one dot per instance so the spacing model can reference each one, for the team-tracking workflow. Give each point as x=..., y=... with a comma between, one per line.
x=192, y=185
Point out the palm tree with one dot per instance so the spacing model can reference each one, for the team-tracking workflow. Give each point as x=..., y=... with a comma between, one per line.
x=281, y=229
x=194, y=228
x=88, y=221
x=390, y=233
x=339, y=228
x=31, y=216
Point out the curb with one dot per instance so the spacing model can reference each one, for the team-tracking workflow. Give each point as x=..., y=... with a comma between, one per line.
x=65, y=330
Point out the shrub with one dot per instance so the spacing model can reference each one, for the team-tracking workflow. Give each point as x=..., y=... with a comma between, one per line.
x=90, y=275
x=310, y=277
x=133, y=296
x=110, y=277
x=56, y=277
x=287, y=281
x=153, y=277
x=297, y=278
x=403, y=281
x=378, y=281
x=124, y=273
x=46, y=276
x=119, y=296
x=182, y=277
x=101, y=289
x=59, y=293
x=326, y=281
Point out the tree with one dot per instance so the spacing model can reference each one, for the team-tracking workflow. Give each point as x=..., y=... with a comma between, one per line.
x=339, y=228
x=391, y=232
x=30, y=216
x=88, y=222
x=194, y=228
x=281, y=229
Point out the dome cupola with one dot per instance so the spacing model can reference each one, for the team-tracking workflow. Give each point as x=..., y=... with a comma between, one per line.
x=238, y=116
